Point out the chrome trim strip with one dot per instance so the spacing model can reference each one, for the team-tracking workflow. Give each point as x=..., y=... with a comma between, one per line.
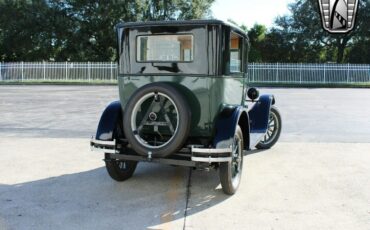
x=210, y=151
x=95, y=149
x=108, y=143
x=211, y=160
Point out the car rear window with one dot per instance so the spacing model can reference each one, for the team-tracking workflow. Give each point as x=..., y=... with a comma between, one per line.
x=165, y=48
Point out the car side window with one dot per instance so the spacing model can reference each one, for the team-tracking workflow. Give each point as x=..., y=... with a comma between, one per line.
x=236, y=53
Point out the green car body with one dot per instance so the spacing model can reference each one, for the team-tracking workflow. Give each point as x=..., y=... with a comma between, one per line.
x=183, y=101
x=208, y=86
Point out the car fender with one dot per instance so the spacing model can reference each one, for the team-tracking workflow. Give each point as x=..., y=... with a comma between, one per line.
x=226, y=124
x=108, y=120
x=259, y=115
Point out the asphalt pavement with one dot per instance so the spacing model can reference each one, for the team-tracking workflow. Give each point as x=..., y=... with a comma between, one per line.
x=309, y=115
x=316, y=177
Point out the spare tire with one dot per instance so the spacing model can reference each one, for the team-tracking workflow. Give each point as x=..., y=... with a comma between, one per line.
x=156, y=120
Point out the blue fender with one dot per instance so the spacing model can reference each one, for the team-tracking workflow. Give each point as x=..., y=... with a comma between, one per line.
x=226, y=125
x=108, y=121
x=259, y=115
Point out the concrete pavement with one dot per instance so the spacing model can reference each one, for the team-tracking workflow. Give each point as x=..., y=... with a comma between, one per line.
x=316, y=177
x=309, y=115
x=292, y=186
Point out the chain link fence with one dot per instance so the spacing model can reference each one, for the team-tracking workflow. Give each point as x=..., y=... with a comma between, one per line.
x=258, y=72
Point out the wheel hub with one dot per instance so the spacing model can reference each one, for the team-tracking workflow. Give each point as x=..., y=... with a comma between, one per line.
x=153, y=116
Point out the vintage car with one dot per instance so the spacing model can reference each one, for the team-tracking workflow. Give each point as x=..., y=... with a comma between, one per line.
x=184, y=101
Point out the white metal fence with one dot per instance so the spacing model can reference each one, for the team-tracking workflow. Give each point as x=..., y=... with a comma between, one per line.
x=58, y=71
x=308, y=73
x=257, y=72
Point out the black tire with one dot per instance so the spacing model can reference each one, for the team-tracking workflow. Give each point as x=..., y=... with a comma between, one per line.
x=270, y=140
x=119, y=170
x=179, y=135
x=231, y=172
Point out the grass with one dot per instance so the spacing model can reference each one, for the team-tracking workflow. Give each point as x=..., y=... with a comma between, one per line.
x=312, y=85
x=269, y=84
x=58, y=82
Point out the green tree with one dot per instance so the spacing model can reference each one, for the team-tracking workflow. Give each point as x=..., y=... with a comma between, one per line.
x=360, y=50
x=25, y=30
x=79, y=30
x=95, y=21
x=257, y=36
x=302, y=29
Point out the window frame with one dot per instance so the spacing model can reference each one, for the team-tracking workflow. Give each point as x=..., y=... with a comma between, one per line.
x=241, y=53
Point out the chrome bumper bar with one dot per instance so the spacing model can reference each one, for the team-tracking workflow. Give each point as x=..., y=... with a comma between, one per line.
x=211, y=155
x=103, y=146
x=201, y=155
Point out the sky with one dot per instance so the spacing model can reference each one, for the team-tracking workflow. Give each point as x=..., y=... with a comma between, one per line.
x=249, y=12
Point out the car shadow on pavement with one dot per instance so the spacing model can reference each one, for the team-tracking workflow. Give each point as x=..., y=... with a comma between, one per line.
x=154, y=196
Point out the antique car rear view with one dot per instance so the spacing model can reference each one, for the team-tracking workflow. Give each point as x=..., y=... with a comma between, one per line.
x=184, y=101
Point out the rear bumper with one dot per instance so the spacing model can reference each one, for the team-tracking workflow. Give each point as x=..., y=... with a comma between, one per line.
x=211, y=155
x=189, y=154
x=103, y=146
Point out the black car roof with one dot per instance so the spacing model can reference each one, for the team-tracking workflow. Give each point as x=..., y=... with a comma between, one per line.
x=181, y=23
